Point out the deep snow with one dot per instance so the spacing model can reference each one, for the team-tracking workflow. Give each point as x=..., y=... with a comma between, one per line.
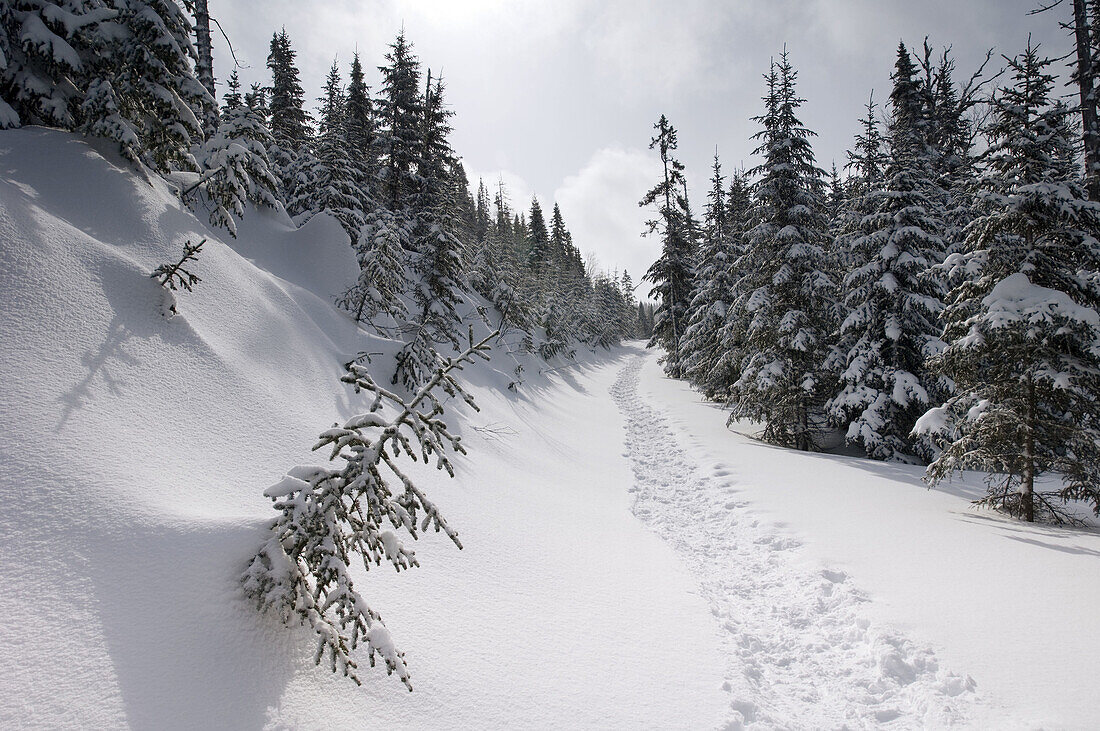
x=135, y=452
x=629, y=562
x=1010, y=605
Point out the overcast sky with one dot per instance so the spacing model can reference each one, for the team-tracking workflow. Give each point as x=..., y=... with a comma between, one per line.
x=558, y=97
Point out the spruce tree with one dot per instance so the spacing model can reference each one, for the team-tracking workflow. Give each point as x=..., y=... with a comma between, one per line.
x=893, y=300
x=285, y=102
x=327, y=179
x=703, y=347
x=400, y=113
x=1022, y=324
x=538, y=240
x=784, y=298
x=672, y=273
x=727, y=369
x=359, y=123
x=236, y=163
x=438, y=261
x=381, y=250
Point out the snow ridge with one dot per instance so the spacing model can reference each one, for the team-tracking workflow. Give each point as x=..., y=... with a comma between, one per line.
x=799, y=651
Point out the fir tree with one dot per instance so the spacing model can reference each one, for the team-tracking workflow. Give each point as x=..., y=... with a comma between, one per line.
x=893, y=301
x=538, y=240
x=438, y=261
x=289, y=120
x=359, y=123
x=1022, y=324
x=671, y=275
x=232, y=98
x=400, y=112
x=143, y=92
x=703, y=347
x=727, y=369
x=784, y=298
x=328, y=180
x=235, y=161
x=382, y=251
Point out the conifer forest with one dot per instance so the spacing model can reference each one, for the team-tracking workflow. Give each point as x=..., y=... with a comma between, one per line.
x=791, y=420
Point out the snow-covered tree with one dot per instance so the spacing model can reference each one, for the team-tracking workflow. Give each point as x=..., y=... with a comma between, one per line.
x=329, y=517
x=1022, y=323
x=235, y=163
x=893, y=300
x=672, y=273
x=359, y=123
x=45, y=48
x=328, y=179
x=784, y=298
x=286, y=98
x=438, y=260
x=702, y=347
x=400, y=116
x=382, y=251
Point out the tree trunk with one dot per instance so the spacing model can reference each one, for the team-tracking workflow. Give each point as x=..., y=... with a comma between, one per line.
x=1085, y=82
x=1027, y=485
x=204, y=65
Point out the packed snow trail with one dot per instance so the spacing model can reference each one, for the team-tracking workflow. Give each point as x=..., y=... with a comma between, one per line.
x=799, y=652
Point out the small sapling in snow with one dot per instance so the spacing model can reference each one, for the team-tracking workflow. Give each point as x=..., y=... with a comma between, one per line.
x=173, y=276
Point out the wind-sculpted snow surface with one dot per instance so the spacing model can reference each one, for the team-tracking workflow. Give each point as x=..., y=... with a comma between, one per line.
x=799, y=651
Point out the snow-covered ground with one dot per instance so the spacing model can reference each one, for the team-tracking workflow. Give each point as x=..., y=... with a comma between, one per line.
x=628, y=563
x=937, y=589
x=135, y=451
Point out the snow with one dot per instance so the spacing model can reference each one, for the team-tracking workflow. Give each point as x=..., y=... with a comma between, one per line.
x=1015, y=299
x=135, y=455
x=1010, y=605
x=628, y=561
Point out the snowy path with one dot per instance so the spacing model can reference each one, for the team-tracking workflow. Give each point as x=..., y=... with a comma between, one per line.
x=799, y=651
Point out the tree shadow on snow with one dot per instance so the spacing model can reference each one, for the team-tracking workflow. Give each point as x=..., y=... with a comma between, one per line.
x=136, y=301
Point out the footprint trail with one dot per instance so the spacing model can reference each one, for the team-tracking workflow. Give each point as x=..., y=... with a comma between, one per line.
x=799, y=651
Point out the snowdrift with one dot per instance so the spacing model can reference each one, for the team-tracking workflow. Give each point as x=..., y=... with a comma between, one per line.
x=135, y=451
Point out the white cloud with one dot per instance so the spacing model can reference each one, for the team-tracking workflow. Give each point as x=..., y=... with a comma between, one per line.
x=600, y=207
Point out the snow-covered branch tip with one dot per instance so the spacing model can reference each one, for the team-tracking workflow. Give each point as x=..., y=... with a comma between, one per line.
x=174, y=276
x=326, y=515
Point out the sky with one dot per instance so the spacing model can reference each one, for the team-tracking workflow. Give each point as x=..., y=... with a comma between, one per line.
x=558, y=98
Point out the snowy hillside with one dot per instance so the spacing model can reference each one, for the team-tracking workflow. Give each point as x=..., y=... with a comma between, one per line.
x=628, y=562
x=136, y=451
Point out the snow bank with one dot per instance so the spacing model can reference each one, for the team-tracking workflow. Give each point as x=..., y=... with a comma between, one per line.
x=136, y=451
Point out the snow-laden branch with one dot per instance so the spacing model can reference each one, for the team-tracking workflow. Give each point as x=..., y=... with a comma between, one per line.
x=326, y=515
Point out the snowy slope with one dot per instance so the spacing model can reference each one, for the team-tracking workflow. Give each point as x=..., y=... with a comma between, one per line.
x=629, y=562
x=135, y=451
x=1014, y=607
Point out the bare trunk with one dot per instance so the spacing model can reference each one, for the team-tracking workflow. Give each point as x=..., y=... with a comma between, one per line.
x=1027, y=485
x=1085, y=82
x=204, y=65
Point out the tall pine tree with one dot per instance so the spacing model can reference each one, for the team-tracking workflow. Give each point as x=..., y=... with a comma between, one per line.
x=893, y=300
x=1022, y=324
x=784, y=298
x=672, y=275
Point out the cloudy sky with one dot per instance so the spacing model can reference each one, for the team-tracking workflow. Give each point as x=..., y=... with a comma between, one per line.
x=558, y=97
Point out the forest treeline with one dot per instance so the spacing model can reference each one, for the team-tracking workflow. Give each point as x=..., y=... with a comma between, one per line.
x=936, y=301
x=140, y=73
